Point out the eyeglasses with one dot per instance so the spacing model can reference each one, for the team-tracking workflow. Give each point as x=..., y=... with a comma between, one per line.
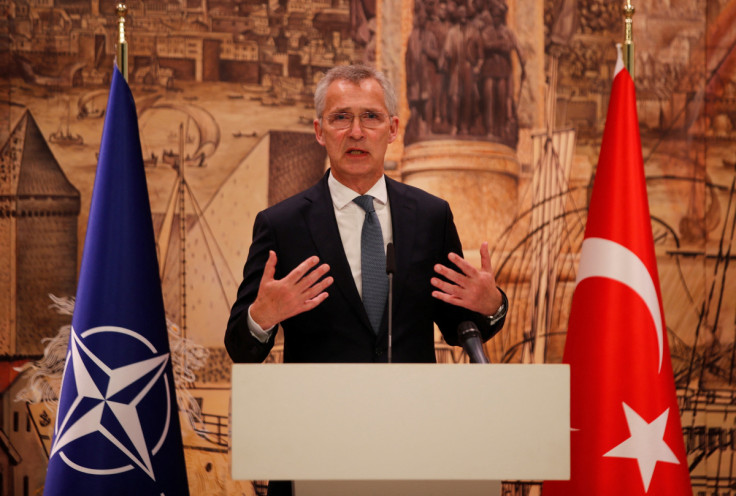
x=368, y=120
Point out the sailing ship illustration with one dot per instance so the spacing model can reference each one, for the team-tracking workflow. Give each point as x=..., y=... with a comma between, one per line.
x=92, y=105
x=63, y=135
x=183, y=211
x=200, y=130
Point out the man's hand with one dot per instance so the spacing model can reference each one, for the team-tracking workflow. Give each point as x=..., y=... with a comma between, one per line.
x=301, y=290
x=471, y=288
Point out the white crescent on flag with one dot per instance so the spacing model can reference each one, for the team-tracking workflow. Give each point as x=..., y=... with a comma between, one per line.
x=605, y=258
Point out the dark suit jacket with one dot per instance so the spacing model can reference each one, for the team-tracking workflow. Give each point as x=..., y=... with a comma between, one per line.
x=338, y=329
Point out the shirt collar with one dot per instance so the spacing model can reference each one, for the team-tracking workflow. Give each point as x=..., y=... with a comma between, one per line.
x=343, y=196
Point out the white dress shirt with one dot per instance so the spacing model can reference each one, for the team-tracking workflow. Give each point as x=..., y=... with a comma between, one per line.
x=350, y=217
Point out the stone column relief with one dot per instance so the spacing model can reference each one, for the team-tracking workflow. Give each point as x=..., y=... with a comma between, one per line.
x=460, y=80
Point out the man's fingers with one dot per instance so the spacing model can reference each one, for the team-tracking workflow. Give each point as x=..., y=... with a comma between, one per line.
x=444, y=286
x=450, y=274
x=269, y=270
x=301, y=290
x=445, y=297
x=314, y=302
x=312, y=277
x=300, y=270
x=485, y=258
x=318, y=288
x=471, y=288
x=462, y=264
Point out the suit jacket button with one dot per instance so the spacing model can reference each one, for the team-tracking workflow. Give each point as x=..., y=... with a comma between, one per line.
x=379, y=351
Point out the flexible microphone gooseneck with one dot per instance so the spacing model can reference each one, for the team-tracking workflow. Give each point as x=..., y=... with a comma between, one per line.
x=390, y=270
x=470, y=339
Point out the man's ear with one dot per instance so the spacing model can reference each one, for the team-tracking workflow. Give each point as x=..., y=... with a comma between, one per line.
x=393, y=130
x=318, y=132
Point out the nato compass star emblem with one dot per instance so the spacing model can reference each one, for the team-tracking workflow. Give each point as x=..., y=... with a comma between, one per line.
x=112, y=420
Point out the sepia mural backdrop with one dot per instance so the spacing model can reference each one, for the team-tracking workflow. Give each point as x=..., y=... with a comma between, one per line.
x=503, y=104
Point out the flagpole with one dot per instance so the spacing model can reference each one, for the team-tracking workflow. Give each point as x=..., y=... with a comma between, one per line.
x=122, y=9
x=629, y=38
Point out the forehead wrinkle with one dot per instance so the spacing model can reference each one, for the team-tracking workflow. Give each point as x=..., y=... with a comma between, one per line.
x=355, y=97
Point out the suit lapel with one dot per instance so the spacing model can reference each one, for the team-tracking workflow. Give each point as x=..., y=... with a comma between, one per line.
x=320, y=217
x=403, y=219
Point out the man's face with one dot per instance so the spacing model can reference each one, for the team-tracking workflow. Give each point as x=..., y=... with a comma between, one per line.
x=356, y=153
x=442, y=11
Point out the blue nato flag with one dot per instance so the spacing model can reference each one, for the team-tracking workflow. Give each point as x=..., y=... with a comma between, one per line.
x=117, y=427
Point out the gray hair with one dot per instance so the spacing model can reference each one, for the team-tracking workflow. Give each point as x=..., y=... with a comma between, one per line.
x=355, y=74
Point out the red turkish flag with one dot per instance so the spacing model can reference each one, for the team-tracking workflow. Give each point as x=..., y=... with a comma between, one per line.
x=626, y=437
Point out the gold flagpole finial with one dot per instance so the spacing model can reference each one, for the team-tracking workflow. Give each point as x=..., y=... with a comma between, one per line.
x=629, y=38
x=122, y=9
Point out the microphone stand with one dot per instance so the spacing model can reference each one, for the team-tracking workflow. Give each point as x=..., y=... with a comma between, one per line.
x=470, y=339
x=390, y=269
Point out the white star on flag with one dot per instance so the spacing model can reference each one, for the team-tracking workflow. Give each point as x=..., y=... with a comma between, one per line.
x=646, y=444
x=126, y=414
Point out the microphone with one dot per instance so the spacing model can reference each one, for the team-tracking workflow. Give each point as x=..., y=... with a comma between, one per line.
x=390, y=259
x=469, y=337
x=390, y=270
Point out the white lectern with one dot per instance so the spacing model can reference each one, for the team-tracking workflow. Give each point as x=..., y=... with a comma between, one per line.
x=400, y=425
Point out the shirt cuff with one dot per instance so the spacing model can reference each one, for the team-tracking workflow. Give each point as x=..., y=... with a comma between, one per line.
x=262, y=335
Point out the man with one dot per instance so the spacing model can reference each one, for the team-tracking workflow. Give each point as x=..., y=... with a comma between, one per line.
x=439, y=25
x=304, y=267
x=499, y=107
x=459, y=58
x=422, y=53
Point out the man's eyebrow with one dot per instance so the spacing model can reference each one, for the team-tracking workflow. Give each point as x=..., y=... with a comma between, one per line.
x=348, y=110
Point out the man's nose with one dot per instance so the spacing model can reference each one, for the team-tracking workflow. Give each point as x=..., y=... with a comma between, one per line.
x=356, y=130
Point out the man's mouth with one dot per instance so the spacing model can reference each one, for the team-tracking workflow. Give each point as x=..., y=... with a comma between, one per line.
x=356, y=152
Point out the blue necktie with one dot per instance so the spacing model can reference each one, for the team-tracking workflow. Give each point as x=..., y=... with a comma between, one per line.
x=372, y=263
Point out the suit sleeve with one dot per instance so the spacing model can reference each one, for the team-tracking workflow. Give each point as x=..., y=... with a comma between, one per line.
x=241, y=345
x=448, y=317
